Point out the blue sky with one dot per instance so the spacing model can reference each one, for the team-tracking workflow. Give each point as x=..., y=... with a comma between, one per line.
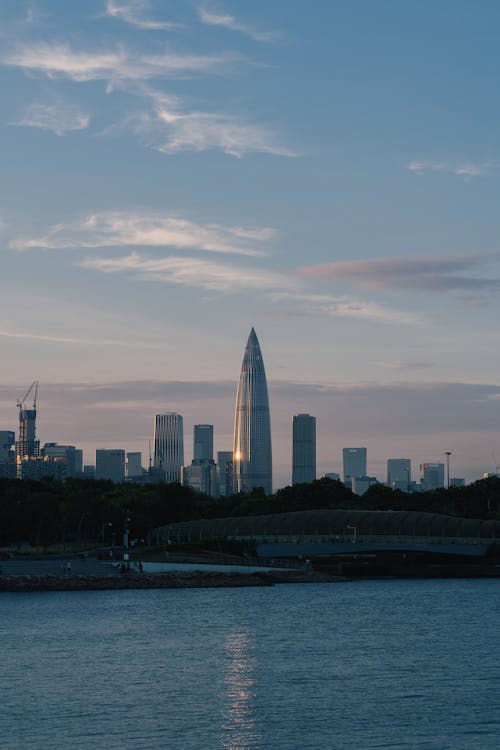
x=174, y=173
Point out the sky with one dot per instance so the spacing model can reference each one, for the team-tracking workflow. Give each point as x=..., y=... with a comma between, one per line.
x=173, y=174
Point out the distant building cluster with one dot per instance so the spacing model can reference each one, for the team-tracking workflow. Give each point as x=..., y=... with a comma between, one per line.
x=246, y=467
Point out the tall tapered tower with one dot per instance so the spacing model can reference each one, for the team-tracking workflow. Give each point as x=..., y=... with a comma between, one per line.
x=252, y=455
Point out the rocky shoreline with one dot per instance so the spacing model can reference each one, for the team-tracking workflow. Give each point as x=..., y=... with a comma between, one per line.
x=174, y=580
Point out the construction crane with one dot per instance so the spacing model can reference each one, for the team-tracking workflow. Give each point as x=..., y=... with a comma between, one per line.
x=21, y=402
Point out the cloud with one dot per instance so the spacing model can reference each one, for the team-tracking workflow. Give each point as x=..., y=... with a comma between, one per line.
x=405, y=365
x=226, y=21
x=467, y=170
x=119, y=228
x=133, y=11
x=60, y=61
x=58, y=118
x=50, y=338
x=343, y=307
x=418, y=274
x=169, y=128
x=194, y=272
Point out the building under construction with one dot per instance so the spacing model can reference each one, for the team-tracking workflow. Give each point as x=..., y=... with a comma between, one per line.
x=27, y=445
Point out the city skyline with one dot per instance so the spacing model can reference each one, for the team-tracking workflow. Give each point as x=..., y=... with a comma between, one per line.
x=168, y=439
x=174, y=175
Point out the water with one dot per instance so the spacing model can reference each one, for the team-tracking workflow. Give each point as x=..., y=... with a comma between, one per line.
x=355, y=666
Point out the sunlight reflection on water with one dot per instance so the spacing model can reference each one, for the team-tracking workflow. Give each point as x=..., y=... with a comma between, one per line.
x=238, y=725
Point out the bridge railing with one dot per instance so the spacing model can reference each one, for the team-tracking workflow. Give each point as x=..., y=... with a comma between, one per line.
x=198, y=536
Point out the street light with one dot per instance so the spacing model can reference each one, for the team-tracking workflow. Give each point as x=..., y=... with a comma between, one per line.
x=447, y=454
x=354, y=533
x=408, y=472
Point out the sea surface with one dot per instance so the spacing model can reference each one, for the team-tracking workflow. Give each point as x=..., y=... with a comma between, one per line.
x=350, y=666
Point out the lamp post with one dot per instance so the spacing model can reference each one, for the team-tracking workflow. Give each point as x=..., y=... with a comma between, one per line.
x=408, y=473
x=447, y=454
x=354, y=533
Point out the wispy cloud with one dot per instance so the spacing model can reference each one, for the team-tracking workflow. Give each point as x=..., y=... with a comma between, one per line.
x=467, y=170
x=169, y=128
x=417, y=365
x=344, y=306
x=58, y=118
x=227, y=21
x=60, y=61
x=53, y=339
x=168, y=125
x=194, y=272
x=132, y=12
x=422, y=274
x=120, y=228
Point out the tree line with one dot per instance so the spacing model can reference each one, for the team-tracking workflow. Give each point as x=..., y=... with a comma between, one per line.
x=97, y=512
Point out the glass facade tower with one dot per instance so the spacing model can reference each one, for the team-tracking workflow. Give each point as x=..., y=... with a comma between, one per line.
x=252, y=454
x=169, y=446
x=304, y=449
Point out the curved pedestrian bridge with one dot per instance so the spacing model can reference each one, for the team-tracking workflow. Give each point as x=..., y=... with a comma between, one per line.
x=342, y=532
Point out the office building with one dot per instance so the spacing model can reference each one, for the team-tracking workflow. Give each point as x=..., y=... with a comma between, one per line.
x=332, y=475
x=65, y=454
x=360, y=485
x=203, y=442
x=201, y=476
x=110, y=464
x=7, y=454
x=134, y=465
x=354, y=464
x=225, y=473
x=252, y=452
x=457, y=482
x=169, y=446
x=399, y=474
x=88, y=471
x=304, y=449
x=431, y=476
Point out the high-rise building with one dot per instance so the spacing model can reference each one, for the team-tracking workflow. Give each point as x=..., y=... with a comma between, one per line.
x=360, y=485
x=110, y=464
x=304, y=449
x=225, y=472
x=252, y=452
x=431, y=476
x=7, y=454
x=203, y=442
x=201, y=476
x=399, y=474
x=134, y=465
x=62, y=453
x=354, y=463
x=27, y=446
x=169, y=446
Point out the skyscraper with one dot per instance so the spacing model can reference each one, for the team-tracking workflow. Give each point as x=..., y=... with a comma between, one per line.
x=169, y=446
x=354, y=460
x=431, y=476
x=110, y=464
x=225, y=472
x=252, y=454
x=203, y=442
x=399, y=474
x=304, y=449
